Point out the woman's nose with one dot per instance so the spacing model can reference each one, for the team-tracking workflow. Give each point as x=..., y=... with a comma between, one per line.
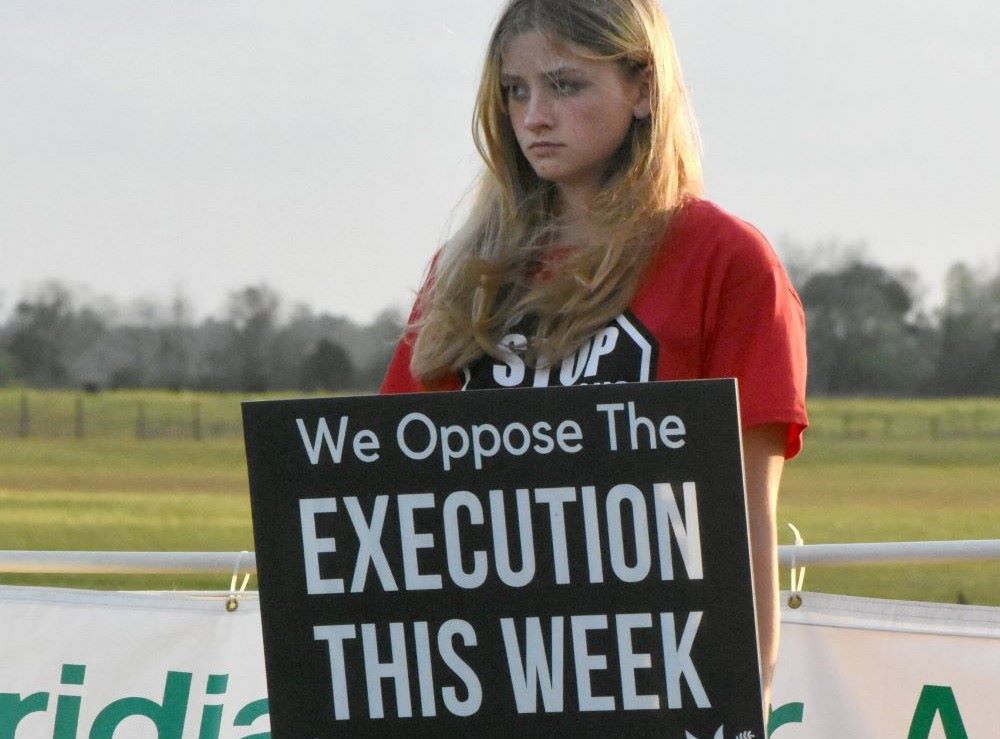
x=538, y=113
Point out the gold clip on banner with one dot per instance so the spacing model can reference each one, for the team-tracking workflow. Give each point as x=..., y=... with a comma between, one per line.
x=233, y=601
x=798, y=574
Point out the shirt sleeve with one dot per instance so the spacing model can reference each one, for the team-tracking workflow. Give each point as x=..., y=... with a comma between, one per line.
x=398, y=376
x=757, y=335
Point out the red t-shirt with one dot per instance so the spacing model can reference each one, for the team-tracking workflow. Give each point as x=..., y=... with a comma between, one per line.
x=714, y=302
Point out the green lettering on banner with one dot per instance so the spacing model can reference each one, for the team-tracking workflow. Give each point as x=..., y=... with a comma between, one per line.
x=68, y=706
x=250, y=713
x=789, y=713
x=211, y=716
x=168, y=716
x=937, y=700
x=13, y=708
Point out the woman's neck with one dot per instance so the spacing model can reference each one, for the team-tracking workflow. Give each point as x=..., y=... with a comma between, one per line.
x=576, y=217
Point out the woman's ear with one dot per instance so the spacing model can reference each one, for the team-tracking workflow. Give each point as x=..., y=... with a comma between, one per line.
x=641, y=109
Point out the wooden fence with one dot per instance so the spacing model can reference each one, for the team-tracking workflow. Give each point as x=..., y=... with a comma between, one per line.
x=161, y=414
x=83, y=415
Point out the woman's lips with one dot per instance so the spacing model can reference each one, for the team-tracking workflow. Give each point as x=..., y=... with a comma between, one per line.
x=544, y=147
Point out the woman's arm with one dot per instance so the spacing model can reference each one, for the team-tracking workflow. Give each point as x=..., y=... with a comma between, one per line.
x=763, y=457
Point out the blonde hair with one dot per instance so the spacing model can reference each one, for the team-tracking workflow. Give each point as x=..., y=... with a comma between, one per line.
x=486, y=279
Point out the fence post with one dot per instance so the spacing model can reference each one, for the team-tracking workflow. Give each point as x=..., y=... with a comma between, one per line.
x=140, y=420
x=196, y=420
x=848, y=424
x=78, y=418
x=24, y=428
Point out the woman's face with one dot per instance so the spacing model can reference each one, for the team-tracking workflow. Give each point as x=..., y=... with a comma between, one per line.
x=569, y=113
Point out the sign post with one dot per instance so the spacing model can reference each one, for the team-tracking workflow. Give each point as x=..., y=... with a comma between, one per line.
x=541, y=562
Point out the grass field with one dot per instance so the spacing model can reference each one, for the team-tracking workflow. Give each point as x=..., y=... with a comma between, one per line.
x=885, y=470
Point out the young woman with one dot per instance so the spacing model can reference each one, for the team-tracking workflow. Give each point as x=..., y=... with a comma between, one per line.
x=589, y=257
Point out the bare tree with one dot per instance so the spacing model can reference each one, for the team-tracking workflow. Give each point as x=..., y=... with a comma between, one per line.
x=253, y=315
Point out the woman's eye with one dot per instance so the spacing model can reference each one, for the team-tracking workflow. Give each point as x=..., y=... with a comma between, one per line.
x=516, y=91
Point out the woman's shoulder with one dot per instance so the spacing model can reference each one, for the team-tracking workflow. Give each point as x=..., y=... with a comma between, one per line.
x=698, y=218
x=702, y=229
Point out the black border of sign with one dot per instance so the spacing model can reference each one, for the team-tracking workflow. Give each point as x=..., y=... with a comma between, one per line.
x=299, y=680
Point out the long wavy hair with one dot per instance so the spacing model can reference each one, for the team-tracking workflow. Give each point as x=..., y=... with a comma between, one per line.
x=486, y=278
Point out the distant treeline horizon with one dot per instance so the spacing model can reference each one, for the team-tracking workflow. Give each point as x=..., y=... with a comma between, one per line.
x=868, y=332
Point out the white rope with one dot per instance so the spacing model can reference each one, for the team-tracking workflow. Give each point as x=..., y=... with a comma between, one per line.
x=233, y=601
x=29, y=561
x=798, y=574
x=902, y=552
x=68, y=562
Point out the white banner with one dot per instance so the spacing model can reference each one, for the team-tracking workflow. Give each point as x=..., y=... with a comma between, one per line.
x=80, y=663
x=77, y=663
x=880, y=669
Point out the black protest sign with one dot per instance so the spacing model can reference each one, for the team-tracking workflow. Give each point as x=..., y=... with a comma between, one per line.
x=565, y=560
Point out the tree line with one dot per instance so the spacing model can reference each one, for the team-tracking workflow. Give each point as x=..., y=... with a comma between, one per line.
x=868, y=333
x=55, y=339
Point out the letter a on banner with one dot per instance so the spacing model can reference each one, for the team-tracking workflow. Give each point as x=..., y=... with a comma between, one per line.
x=937, y=700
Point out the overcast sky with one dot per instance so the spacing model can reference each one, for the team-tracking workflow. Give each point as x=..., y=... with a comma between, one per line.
x=322, y=146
